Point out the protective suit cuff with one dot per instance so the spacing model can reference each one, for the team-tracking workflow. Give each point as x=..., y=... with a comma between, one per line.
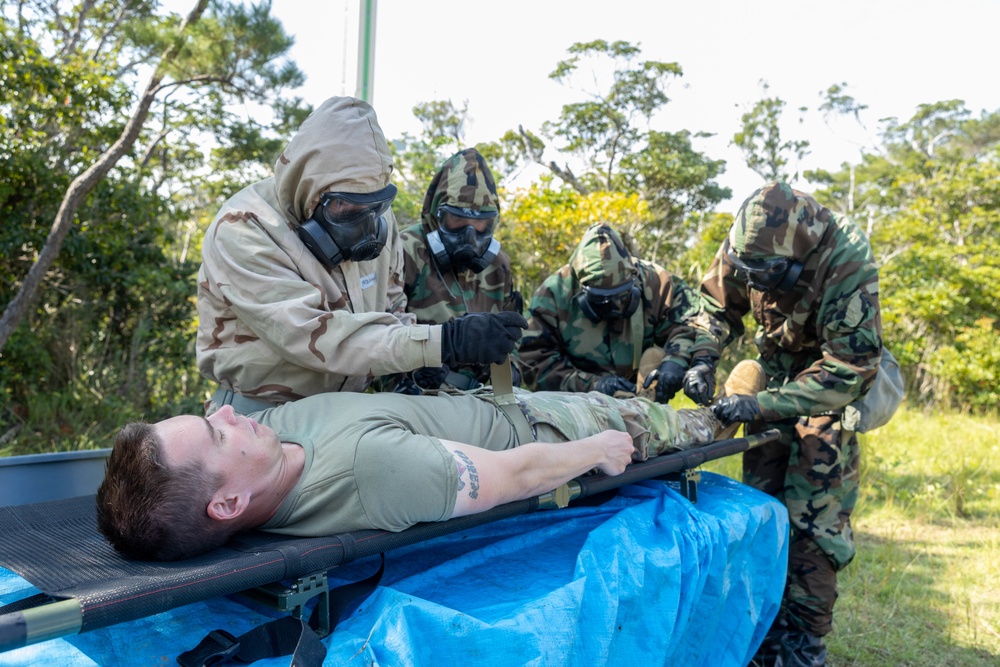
x=431, y=344
x=771, y=406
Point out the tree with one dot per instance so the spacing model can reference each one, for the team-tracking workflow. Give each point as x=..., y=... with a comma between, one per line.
x=929, y=198
x=103, y=189
x=760, y=140
x=543, y=224
x=207, y=60
x=609, y=135
x=417, y=159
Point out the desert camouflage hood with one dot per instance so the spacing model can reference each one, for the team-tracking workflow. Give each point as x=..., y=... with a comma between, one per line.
x=339, y=147
x=464, y=180
x=601, y=259
x=777, y=220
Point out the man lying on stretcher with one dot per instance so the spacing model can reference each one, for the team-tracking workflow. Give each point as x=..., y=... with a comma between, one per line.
x=341, y=462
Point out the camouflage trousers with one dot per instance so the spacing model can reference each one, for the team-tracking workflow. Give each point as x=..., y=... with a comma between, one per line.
x=655, y=428
x=813, y=470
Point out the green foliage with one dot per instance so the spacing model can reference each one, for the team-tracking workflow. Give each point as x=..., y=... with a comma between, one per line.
x=926, y=525
x=760, y=140
x=609, y=132
x=930, y=200
x=610, y=124
x=542, y=225
x=417, y=159
x=111, y=335
x=678, y=184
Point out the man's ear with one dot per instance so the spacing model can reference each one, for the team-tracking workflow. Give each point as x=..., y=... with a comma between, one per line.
x=226, y=507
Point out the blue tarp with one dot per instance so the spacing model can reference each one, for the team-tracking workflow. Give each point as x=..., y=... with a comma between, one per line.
x=647, y=577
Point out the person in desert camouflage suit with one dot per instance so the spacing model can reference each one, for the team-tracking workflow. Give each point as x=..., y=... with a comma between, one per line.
x=810, y=280
x=452, y=265
x=299, y=291
x=590, y=322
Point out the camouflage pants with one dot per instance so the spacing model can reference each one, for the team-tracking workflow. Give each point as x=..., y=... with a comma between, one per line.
x=813, y=470
x=655, y=428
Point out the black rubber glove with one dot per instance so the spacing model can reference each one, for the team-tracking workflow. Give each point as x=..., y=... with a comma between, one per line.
x=736, y=408
x=430, y=377
x=699, y=381
x=609, y=384
x=480, y=338
x=669, y=377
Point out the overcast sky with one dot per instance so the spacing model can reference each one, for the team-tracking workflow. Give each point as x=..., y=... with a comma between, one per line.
x=893, y=54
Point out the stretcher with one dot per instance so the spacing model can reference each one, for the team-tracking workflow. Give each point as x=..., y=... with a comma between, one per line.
x=85, y=585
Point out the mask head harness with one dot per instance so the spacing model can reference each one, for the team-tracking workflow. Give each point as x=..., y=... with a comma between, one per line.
x=778, y=274
x=348, y=226
x=616, y=303
x=463, y=248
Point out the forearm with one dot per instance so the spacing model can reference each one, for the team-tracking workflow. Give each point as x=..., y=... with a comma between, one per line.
x=488, y=479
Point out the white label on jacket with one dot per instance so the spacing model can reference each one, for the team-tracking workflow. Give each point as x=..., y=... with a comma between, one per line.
x=368, y=281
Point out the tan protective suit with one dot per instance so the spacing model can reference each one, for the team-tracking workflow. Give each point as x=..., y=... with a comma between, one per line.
x=275, y=324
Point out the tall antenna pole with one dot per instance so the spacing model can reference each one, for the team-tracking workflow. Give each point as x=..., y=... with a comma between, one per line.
x=366, y=50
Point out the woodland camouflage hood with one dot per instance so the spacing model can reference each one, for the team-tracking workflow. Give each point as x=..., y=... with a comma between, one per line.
x=778, y=221
x=339, y=147
x=465, y=181
x=601, y=259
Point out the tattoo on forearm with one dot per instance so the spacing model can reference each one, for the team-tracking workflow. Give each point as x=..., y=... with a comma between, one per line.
x=464, y=466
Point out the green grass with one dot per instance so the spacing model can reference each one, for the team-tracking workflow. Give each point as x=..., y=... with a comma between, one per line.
x=924, y=589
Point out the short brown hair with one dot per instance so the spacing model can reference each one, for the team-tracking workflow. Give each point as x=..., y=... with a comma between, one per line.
x=150, y=511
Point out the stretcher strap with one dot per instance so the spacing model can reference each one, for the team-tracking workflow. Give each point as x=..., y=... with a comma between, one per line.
x=503, y=395
x=282, y=636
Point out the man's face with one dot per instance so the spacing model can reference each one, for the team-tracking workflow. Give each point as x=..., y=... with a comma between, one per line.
x=227, y=444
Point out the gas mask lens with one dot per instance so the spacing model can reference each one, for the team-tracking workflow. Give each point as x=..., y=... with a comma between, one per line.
x=340, y=209
x=760, y=274
x=464, y=238
x=355, y=223
x=609, y=304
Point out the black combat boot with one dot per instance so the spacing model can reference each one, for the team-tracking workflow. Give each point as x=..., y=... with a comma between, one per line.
x=767, y=654
x=801, y=649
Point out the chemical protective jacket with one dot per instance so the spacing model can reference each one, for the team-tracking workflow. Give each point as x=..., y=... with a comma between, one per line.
x=436, y=295
x=277, y=325
x=821, y=341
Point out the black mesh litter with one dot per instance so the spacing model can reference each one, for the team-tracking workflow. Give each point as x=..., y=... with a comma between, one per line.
x=56, y=546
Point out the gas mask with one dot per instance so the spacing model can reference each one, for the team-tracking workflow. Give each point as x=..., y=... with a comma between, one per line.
x=463, y=248
x=616, y=303
x=777, y=274
x=348, y=226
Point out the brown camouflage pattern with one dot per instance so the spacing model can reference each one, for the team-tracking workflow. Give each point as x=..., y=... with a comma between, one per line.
x=601, y=259
x=778, y=221
x=562, y=350
x=274, y=323
x=435, y=296
x=814, y=471
x=655, y=428
x=820, y=342
x=464, y=180
x=820, y=345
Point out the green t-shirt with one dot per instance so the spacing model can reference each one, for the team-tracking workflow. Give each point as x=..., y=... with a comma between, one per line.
x=365, y=465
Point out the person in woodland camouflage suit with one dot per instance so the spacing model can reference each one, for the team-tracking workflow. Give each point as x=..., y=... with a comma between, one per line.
x=299, y=290
x=810, y=280
x=590, y=322
x=452, y=265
